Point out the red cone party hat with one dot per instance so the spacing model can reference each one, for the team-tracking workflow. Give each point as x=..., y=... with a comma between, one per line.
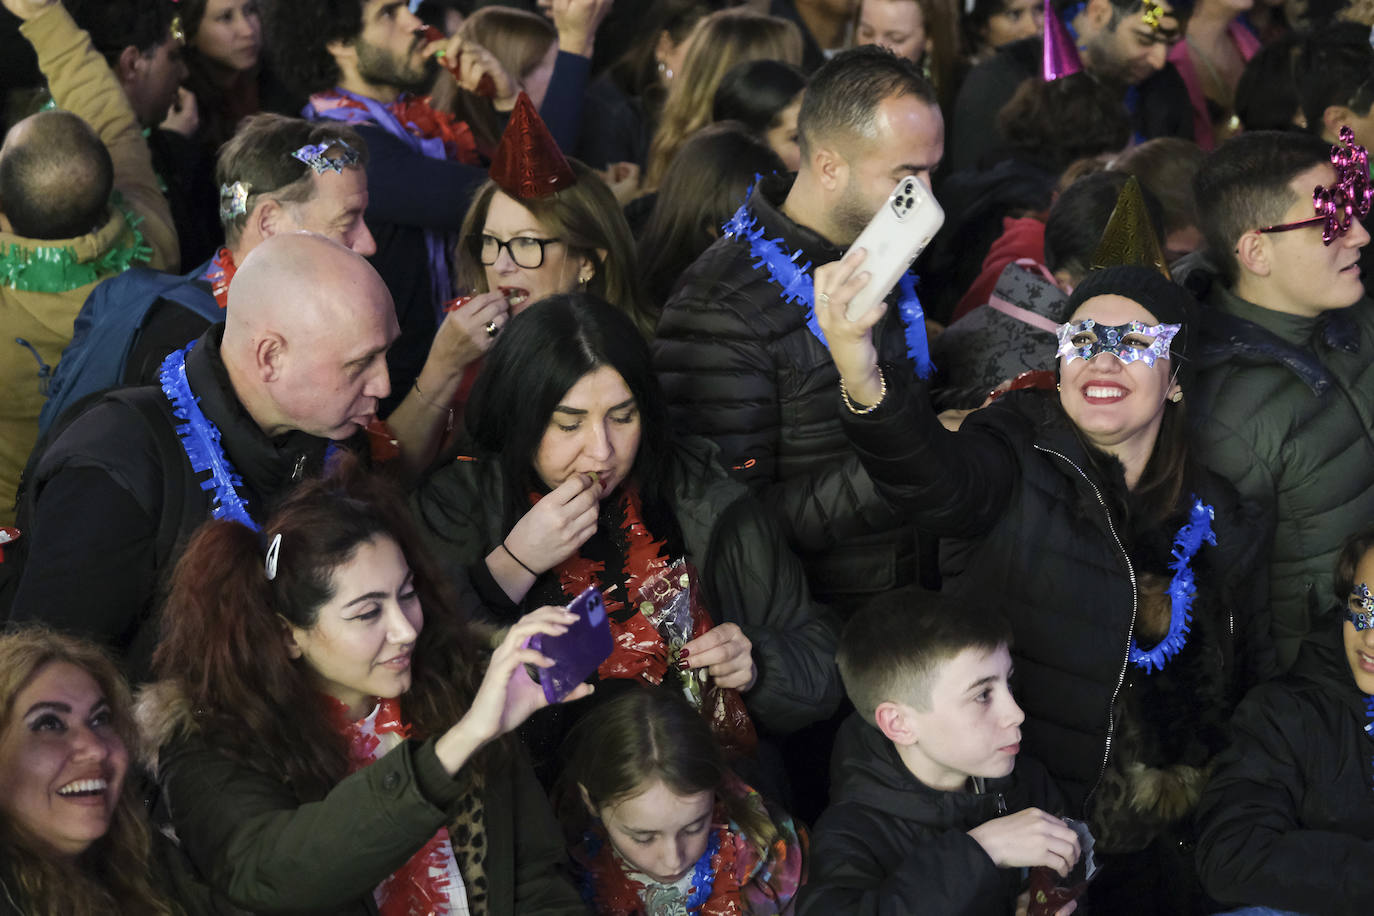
x=1061, y=57
x=528, y=163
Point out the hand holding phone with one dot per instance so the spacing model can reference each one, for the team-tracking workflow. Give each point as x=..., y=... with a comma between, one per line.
x=895, y=237
x=578, y=652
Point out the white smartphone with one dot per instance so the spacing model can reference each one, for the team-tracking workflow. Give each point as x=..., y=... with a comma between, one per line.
x=894, y=238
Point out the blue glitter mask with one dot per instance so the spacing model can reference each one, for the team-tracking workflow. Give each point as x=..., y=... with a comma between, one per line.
x=1128, y=342
x=1363, y=619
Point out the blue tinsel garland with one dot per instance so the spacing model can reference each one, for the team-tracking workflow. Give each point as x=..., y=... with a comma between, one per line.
x=200, y=438
x=798, y=288
x=1182, y=589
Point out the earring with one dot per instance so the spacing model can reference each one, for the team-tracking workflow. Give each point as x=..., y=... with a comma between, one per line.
x=1176, y=397
x=583, y=281
x=664, y=72
x=1058, y=387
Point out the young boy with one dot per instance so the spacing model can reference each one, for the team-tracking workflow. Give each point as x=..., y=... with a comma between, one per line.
x=926, y=815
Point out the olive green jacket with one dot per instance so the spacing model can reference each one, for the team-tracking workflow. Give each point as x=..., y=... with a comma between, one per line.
x=1284, y=407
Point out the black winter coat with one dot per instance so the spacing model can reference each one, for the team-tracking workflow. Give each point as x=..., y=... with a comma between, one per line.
x=740, y=367
x=1288, y=818
x=115, y=500
x=750, y=576
x=1037, y=532
x=889, y=845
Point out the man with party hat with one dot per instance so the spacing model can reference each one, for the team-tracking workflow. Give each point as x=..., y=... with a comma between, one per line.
x=1284, y=404
x=1123, y=42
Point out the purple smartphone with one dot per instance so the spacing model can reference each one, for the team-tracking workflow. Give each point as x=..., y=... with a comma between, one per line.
x=578, y=652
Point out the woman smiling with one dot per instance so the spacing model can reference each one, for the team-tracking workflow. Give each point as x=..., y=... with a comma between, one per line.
x=330, y=740
x=72, y=841
x=1130, y=574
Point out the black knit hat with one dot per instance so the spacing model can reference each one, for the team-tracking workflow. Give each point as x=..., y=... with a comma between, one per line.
x=1164, y=299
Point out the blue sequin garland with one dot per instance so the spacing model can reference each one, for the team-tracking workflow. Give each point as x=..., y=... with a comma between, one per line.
x=1369, y=728
x=201, y=440
x=798, y=288
x=703, y=879
x=1182, y=589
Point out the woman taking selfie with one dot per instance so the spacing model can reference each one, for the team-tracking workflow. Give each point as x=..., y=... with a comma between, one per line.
x=578, y=480
x=330, y=740
x=1129, y=573
x=72, y=841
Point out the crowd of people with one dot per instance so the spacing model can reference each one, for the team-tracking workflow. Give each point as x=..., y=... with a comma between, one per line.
x=360, y=354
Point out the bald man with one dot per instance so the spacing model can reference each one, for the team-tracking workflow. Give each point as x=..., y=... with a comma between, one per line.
x=299, y=364
x=61, y=231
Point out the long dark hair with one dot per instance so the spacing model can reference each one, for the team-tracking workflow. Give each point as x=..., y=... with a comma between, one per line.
x=539, y=356
x=705, y=183
x=113, y=874
x=222, y=629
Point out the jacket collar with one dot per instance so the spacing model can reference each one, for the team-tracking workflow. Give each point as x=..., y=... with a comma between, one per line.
x=766, y=203
x=874, y=776
x=268, y=466
x=1236, y=329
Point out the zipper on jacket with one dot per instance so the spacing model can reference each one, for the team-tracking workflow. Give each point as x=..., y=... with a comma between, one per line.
x=1130, y=632
x=299, y=469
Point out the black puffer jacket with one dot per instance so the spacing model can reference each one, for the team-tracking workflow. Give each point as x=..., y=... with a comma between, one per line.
x=890, y=846
x=740, y=367
x=750, y=576
x=1288, y=818
x=1027, y=509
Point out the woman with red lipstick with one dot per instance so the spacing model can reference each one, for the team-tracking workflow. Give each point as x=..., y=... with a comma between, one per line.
x=72, y=842
x=1129, y=572
x=330, y=739
x=577, y=479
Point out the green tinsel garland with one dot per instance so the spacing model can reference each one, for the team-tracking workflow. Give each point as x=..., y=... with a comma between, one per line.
x=51, y=269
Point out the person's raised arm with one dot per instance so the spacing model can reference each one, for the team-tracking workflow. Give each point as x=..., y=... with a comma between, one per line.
x=948, y=483
x=82, y=83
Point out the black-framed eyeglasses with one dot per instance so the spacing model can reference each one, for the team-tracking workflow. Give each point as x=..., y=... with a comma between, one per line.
x=525, y=251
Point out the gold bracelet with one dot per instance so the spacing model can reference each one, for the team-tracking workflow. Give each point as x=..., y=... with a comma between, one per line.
x=860, y=410
x=448, y=425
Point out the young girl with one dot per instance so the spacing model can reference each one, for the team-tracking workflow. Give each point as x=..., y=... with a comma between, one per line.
x=330, y=741
x=665, y=827
x=1287, y=820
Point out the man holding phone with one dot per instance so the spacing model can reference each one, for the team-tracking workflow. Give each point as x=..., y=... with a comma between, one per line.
x=737, y=351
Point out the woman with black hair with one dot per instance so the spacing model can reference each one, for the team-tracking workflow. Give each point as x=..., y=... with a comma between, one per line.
x=578, y=480
x=765, y=97
x=1131, y=575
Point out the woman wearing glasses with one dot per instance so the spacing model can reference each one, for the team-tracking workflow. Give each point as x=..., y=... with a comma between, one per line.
x=534, y=247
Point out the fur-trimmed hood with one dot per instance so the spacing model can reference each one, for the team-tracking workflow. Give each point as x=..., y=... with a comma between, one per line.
x=162, y=712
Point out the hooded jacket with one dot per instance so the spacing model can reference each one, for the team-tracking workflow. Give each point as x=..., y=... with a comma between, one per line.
x=1035, y=528
x=263, y=849
x=138, y=230
x=1288, y=818
x=740, y=367
x=1283, y=407
x=889, y=845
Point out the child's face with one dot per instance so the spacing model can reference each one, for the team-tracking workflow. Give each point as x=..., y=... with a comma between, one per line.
x=1359, y=643
x=973, y=726
x=658, y=832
